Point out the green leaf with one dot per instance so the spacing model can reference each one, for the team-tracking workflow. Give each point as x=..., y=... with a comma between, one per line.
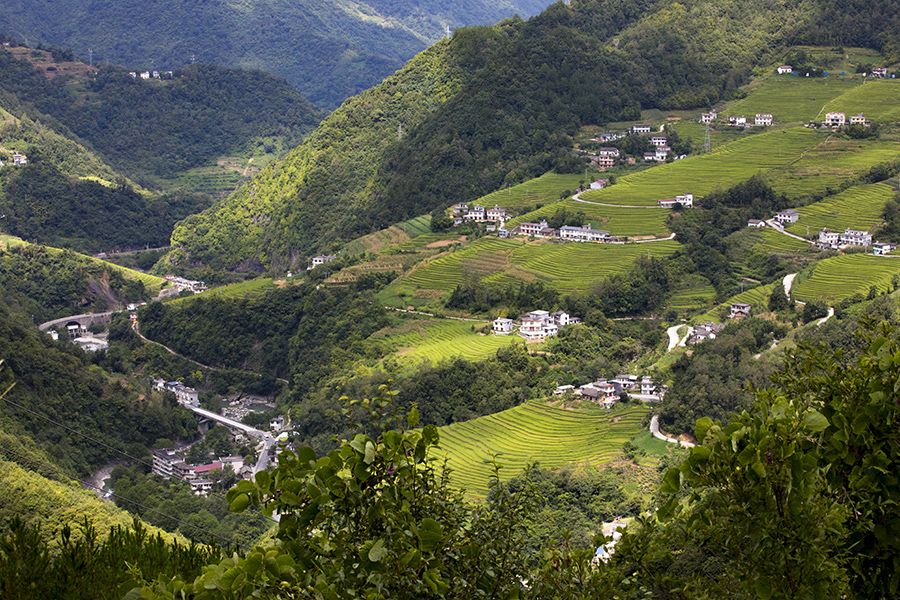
x=370, y=453
x=747, y=455
x=359, y=443
x=430, y=534
x=702, y=427
x=815, y=421
x=306, y=455
x=671, y=482
x=412, y=419
x=430, y=435
x=763, y=588
x=378, y=551
x=392, y=439
x=240, y=503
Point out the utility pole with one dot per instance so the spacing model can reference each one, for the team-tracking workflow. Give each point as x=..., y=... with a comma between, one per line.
x=399, y=132
x=91, y=57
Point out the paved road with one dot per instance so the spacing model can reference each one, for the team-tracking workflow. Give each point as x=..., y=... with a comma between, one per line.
x=674, y=339
x=654, y=429
x=771, y=223
x=577, y=198
x=788, y=283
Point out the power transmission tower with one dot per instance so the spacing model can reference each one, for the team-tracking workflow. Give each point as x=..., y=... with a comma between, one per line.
x=707, y=143
x=91, y=56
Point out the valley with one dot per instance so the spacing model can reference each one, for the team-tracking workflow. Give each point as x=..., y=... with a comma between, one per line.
x=478, y=304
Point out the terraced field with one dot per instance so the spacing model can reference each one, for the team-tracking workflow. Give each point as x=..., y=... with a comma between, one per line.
x=843, y=276
x=575, y=266
x=692, y=299
x=545, y=188
x=723, y=167
x=483, y=257
x=878, y=99
x=831, y=163
x=790, y=99
x=245, y=289
x=618, y=220
x=774, y=242
x=757, y=298
x=444, y=339
x=533, y=431
x=857, y=208
x=416, y=226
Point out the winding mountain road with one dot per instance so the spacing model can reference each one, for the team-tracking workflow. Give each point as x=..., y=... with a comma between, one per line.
x=654, y=429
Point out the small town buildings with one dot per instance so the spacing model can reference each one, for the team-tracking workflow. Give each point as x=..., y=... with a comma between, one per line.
x=762, y=119
x=855, y=237
x=628, y=382
x=145, y=75
x=785, y=69
x=835, y=119
x=658, y=140
x=829, y=238
x=503, y=326
x=496, y=214
x=532, y=228
x=182, y=392
x=539, y=324
x=475, y=213
x=787, y=216
x=181, y=284
x=685, y=200
x=583, y=234
x=643, y=128
x=705, y=331
x=882, y=248
x=321, y=260
x=756, y=223
x=739, y=310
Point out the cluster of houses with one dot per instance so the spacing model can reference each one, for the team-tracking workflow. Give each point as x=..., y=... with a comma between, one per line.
x=535, y=325
x=180, y=284
x=170, y=464
x=832, y=240
x=462, y=212
x=760, y=120
x=182, y=392
x=320, y=260
x=19, y=160
x=149, y=74
x=834, y=120
x=572, y=233
x=684, y=200
x=607, y=391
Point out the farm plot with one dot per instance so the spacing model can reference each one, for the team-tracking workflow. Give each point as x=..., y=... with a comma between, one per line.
x=831, y=163
x=416, y=226
x=692, y=299
x=843, y=276
x=774, y=242
x=618, y=220
x=533, y=431
x=723, y=167
x=857, y=208
x=878, y=99
x=757, y=298
x=790, y=99
x=374, y=242
x=245, y=289
x=545, y=188
x=443, y=339
x=483, y=257
x=575, y=266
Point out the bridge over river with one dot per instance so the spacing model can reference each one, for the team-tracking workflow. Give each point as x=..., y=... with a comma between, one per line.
x=262, y=436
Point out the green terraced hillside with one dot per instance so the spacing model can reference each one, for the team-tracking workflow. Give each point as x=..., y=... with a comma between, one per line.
x=774, y=242
x=444, y=339
x=483, y=257
x=843, y=276
x=757, y=298
x=532, y=431
x=543, y=189
x=856, y=208
x=618, y=220
x=723, y=167
x=878, y=99
x=790, y=99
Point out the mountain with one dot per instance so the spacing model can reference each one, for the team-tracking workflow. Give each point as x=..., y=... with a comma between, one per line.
x=330, y=50
x=494, y=106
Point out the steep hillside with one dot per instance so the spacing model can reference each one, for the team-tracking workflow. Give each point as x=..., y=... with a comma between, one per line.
x=330, y=50
x=491, y=107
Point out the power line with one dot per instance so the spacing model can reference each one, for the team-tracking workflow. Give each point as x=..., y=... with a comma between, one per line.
x=90, y=485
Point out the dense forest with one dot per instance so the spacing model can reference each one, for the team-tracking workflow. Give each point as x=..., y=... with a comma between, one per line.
x=327, y=50
x=490, y=107
x=152, y=129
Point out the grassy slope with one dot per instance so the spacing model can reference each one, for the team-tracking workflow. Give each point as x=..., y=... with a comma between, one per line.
x=843, y=276
x=433, y=341
x=534, y=431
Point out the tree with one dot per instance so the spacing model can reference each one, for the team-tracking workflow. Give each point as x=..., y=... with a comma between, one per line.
x=779, y=300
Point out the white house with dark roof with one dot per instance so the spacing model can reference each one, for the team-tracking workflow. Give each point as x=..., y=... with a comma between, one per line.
x=762, y=119
x=321, y=260
x=756, y=223
x=739, y=309
x=709, y=117
x=475, y=213
x=859, y=119
x=583, y=234
x=855, y=237
x=613, y=152
x=787, y=216
x=685, y=200
x=658, y=140
x=642, y=128
x=785, y=69
x=496, y=214
x=835, y=119
x=881, y=248
x=532, y=228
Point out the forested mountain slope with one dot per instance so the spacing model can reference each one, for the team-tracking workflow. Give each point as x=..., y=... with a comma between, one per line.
x=493, y=106
x=330, y=50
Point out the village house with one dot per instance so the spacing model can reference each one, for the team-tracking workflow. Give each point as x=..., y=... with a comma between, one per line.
x=583, y=234
x=662, y=153
x=855, y=237
x=685, y=200
x=496, y=214
x=133, y=75
x=599, y=184
x=740, y=121
x=709, y=117
x=648, y=386
x=503, y=233
x=531, y=228
x=145, y=75
x=787, y=216
x=881, y=248
x=705, y=331
x=321, y=260
x=640, y=128
x=490, y=227
x=756, y=223
x=835, y=119
x=601, y=392
x=879, y=72
x=547, y=233
x=182, y=392
x=19, y=159
x=605, y=162
x=539, y=324
x=502, y=326
x=658, y=140
x=762, y=119
x=739, y=310
x=462, y=207
x=859, y=119
x=476, y=213
x=785, y=69
x=829, y=239
x=628, y=382
x=613, y=152
x=650, y=157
